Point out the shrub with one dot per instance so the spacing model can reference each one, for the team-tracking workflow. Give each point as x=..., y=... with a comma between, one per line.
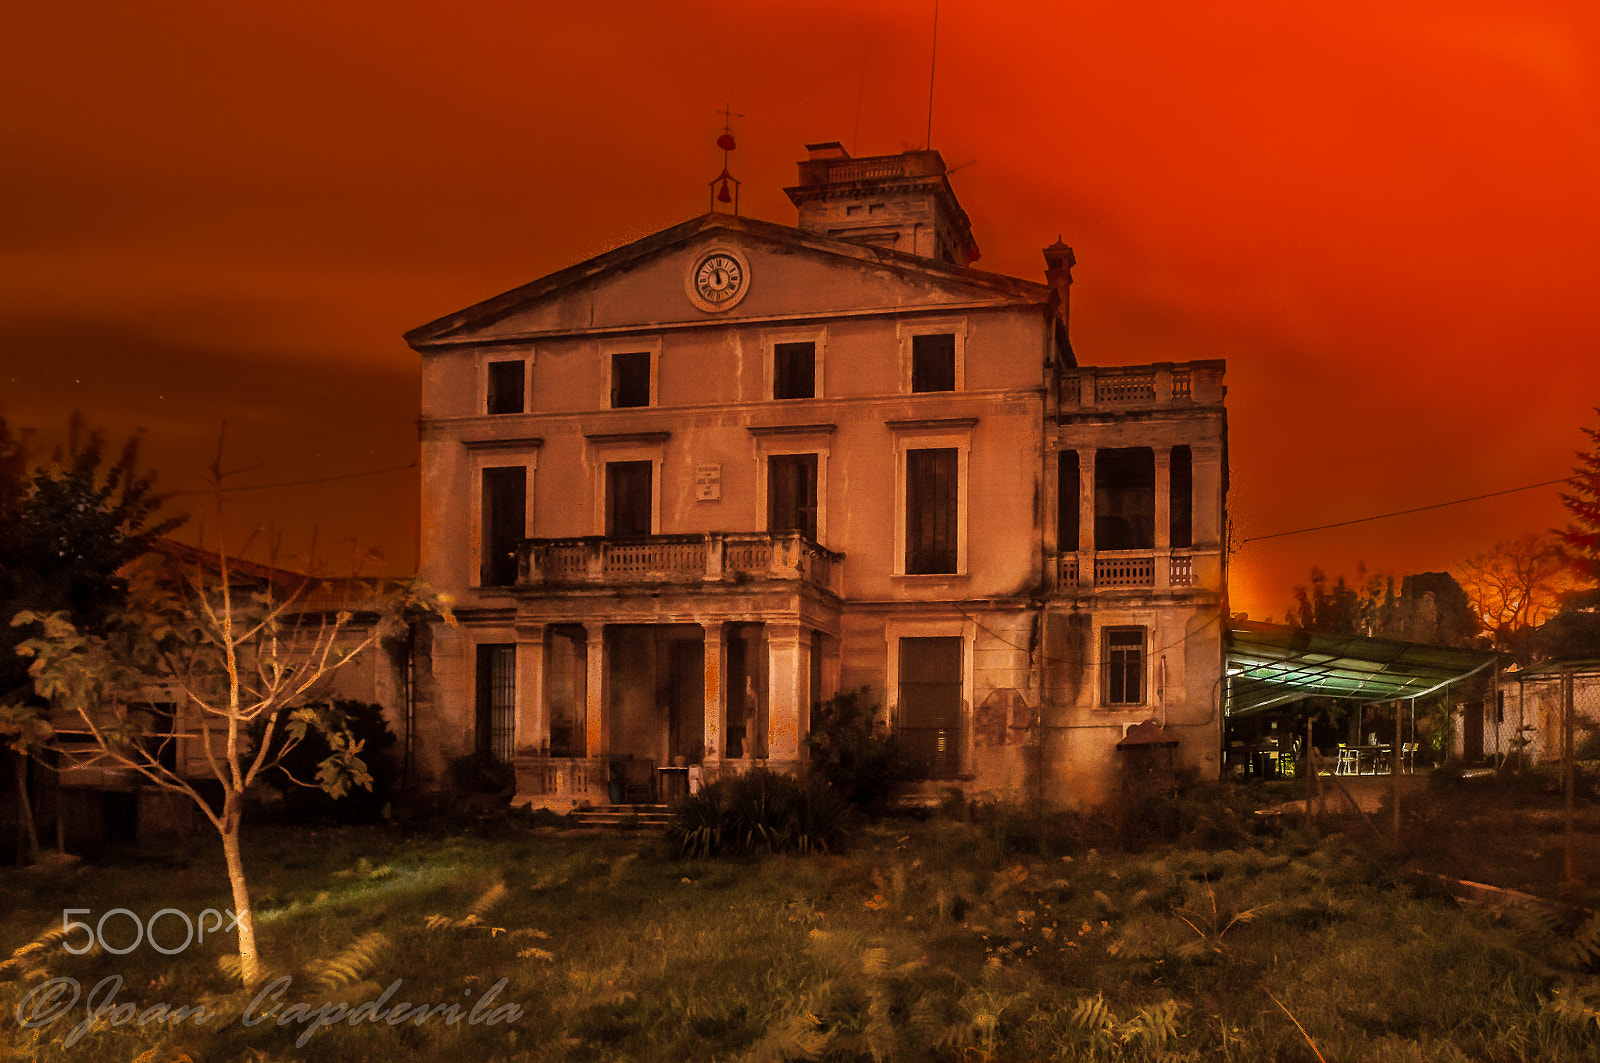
x=759, y=812
x=480, y=774
x=366, y=724
x=865, y=769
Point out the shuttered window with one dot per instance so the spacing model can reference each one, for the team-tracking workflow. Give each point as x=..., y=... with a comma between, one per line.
x=628, y=503
x=497, y=699
x=932, y=497
x=930, y=724
x=792, y=494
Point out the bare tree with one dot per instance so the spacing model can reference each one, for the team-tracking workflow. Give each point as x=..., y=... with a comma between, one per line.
x=1515, y=586
x=244, y=657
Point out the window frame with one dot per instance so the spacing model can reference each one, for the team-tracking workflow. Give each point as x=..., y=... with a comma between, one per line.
x=1106, y=634
x=496, y=355
x=955, y=434
x=907, y=331
x=770, y=338
x=486, y=709
x=496, y=454
x=643, y=345
x=894, y=631
x=602, y=450
x=780, y=441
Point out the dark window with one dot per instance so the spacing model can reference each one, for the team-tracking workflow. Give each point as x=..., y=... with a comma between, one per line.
x=792, y=494
x=627, y=498
x=497, y=699
x=161, y=736
x=505, y=387
x=933, y=362
x=1124, y=665
x=794, y=371
x=1182, y=494
x=630, y=379
x=1500, y=707
x=1067, y=508
x=932, y=495
x=505, y=517
x=1125, y=499
x=930, y=705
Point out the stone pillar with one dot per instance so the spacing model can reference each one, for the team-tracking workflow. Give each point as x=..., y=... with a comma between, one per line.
x=1086, y=516
x=788, y=693
x=594, y=689
x=532, y=734
x=1207, y=505
x=716, y=689
x=1163, y=558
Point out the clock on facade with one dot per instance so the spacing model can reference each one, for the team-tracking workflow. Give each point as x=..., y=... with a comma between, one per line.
x=718, y=279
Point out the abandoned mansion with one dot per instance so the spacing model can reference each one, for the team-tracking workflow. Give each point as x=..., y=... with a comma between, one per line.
x=685, y=490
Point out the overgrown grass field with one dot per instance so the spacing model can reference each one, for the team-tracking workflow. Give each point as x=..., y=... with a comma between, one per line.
x=990, y=936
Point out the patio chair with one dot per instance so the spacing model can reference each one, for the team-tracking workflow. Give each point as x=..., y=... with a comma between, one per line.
x=1349, y=762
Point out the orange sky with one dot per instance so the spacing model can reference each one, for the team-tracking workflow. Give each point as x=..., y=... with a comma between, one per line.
x=1386, y=217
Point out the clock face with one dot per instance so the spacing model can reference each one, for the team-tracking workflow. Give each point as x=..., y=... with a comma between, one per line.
x=718, y=280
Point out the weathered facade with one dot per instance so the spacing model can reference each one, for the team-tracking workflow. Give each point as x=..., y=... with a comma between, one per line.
x=684, y=490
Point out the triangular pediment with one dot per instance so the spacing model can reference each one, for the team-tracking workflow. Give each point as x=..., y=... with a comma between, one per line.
x=788, y=275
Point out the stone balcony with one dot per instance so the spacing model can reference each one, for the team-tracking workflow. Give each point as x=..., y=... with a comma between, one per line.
x=1156, y=386
x=713, y=558
x=1175, y=571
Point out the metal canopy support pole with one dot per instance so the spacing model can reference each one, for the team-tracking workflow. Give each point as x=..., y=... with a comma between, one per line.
x=1394, y=768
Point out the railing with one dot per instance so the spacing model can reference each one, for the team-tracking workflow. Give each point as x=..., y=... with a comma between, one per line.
x=678, y=559
x=1158, y=384
x=1125, y=570
x=1124, y=387
x=1182, y=570
x=1067, y=570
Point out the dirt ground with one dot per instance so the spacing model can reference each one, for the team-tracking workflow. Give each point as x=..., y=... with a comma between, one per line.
x=1501, y=831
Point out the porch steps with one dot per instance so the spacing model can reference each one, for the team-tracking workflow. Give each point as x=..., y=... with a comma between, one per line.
x=624, y=817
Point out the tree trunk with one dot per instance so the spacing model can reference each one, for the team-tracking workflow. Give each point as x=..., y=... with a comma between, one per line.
x=27, y=832
x=249, y=959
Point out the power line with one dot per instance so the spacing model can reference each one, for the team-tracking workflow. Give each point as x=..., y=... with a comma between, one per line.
x=1403, y=512
x=302, y=483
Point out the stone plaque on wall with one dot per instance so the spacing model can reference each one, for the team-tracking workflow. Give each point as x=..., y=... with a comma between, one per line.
x=708, y=483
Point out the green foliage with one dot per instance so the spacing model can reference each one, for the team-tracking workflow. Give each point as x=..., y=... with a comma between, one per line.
x=848, y=752
x=1143, y=1035
x=758, y=812
x=339, y=765
x=1581, y=539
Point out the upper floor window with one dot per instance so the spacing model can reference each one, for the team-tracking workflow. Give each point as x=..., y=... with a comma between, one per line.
x=630, y=379
x=1182, y=497
x=932, y=501
x=1125, y=499
x=503, y=524
x=794, y=370
x=1068, y=513
x=792, y=494
x=1122, y=656
x=933, y=362
x=507, y=387
x=629, y=503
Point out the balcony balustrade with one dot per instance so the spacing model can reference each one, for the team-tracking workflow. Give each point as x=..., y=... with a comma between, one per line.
x=713, y=558
x=1122, y=569
x=1158, y=385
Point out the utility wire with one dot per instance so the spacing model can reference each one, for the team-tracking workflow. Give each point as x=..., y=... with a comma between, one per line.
x=301, y=483
x=1403, y=512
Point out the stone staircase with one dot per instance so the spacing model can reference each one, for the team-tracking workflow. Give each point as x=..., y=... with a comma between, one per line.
x=624, y=817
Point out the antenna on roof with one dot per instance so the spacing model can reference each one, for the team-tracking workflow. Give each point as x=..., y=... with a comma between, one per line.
x=720, y=190
x=933, y=56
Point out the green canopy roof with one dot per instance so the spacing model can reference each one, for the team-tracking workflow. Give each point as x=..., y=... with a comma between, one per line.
x=1272, y=665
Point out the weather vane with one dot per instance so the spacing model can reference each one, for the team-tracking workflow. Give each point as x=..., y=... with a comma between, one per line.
x=721, y=192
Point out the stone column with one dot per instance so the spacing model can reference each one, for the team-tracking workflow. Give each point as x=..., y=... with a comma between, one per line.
x=594, y=690
x=716, y=690
x=532, y=734
x=788, y=693
x=1163, y=558
x=1207, y=504
x=1086, y=545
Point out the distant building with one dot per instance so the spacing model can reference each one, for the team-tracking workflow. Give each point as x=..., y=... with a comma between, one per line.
x=684, y=490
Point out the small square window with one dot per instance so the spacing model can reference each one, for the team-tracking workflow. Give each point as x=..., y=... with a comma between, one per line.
x=630, y=379
x=506, y=387
x=794, y=371
x=1123, y=662
x=933, y=362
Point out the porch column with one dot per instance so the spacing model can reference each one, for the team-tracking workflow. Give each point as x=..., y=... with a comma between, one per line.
x=788, y=693
x=532, y=734
x=594, y=689
x=1163, y=529
x=716, y=689
x=1086, y=516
